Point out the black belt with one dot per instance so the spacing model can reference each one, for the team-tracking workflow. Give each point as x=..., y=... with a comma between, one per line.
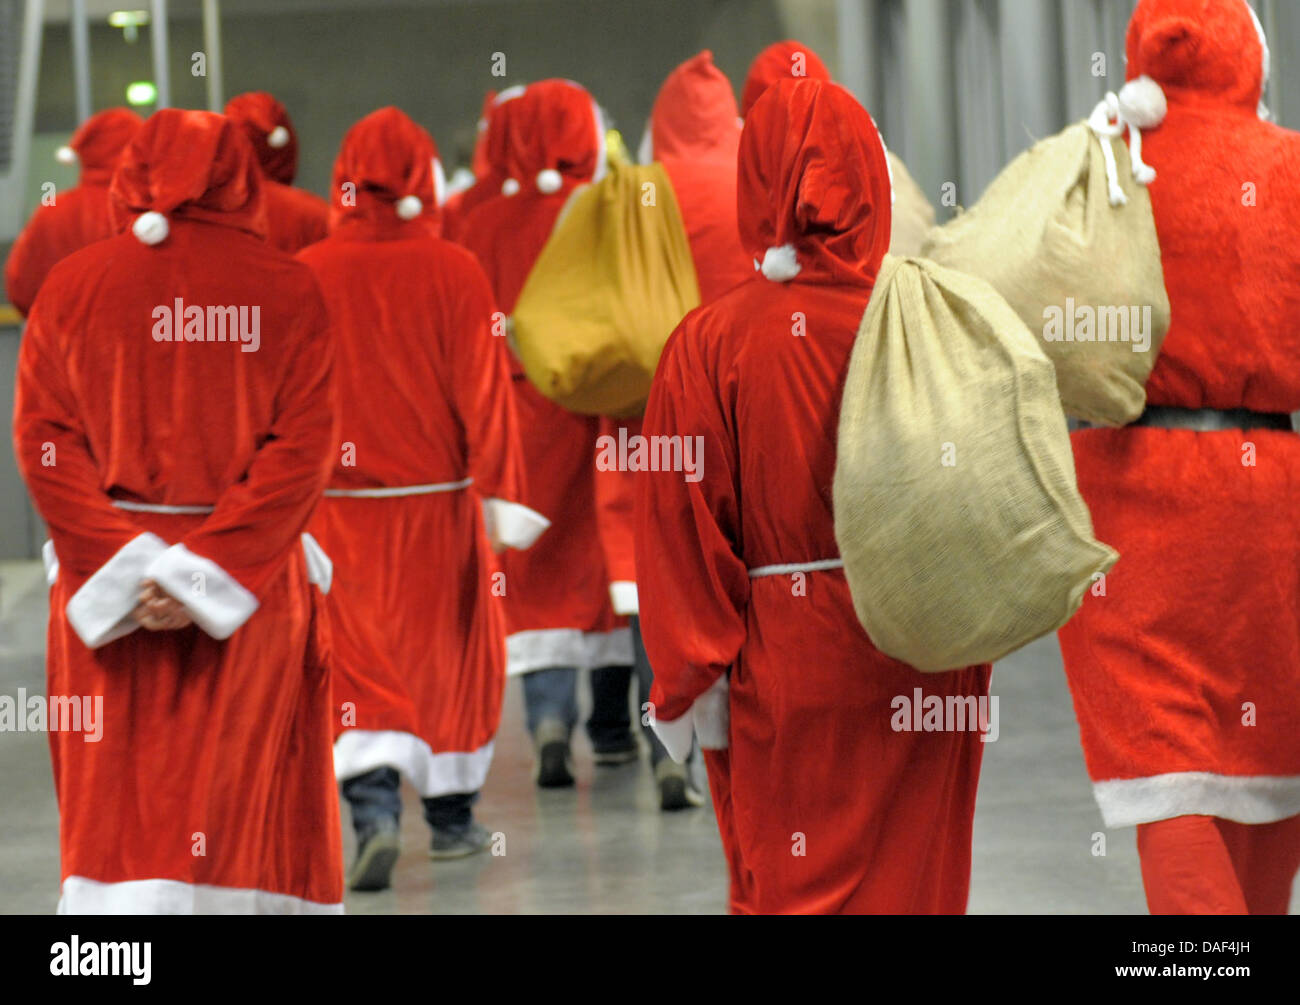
x=1207, y=420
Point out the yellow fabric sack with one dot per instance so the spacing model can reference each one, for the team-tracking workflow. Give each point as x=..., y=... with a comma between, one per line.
x=1084, y=275
x=911, y=216
x=611, y=284
x=957, y=513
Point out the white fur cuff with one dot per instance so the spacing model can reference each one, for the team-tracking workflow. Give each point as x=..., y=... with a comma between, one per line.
x=512, y=524
x=100, y=611
x=216, y=601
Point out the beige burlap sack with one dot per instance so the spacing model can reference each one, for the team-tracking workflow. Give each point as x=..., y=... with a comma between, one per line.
x=1083, y=275
x=911, y=216
x=957, y=514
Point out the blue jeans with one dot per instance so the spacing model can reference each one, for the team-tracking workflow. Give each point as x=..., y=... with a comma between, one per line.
x=376, y=797
x=552, y=695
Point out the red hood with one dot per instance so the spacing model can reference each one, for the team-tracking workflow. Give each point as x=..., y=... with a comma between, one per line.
x=189, y=165
x=100, y=140
x=780, y=61
x=695, y=114
x=478, y=162
x=261, y=115
x=385, y=159
x=554, y=126
x=813, y=174
x=496, y=137
x=1207, y=51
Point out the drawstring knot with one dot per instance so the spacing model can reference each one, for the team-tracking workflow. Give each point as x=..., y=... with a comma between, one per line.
x=1139, y=105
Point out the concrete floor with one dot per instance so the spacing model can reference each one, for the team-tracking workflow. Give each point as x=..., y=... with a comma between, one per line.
x=603, y=847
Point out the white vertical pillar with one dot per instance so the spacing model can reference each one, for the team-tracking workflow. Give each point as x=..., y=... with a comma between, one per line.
x=853, y=38
x=158, y=33
x=212, y=48
x=80, y=58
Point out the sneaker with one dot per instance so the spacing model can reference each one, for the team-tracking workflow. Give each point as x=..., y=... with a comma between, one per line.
x=621, y=751
x=676, y=792
x=554, y=760
x=377, y=853
x=458, y=842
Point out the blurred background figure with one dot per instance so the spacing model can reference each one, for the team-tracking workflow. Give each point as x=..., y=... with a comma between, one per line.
x=295, y=218
x=71, y=219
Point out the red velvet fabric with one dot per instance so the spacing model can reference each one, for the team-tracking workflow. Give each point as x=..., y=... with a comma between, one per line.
x=259, y=114
x=230, y=739
x=495, y=165
x=295, y=217
x=424, y=398
x=780, y=61
x=1200, y=621
x=78, y=216
x=829, y=809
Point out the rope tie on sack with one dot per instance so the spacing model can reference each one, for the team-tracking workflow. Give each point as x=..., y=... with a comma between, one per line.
x=1139, y=105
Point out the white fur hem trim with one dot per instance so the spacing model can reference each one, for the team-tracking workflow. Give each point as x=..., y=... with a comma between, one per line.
x=170, y=896
x=360, y=750
x=1247, y=799
x=545, y=648
x=100, y=611
x=512, y=524
x=217, y=601
x=623, y=595
x=709, y=718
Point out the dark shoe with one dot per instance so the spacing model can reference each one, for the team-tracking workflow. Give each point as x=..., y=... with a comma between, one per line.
x=621, y=751
x=458, y=842
x=554, y=761
x=675, y=789
x=376, y=855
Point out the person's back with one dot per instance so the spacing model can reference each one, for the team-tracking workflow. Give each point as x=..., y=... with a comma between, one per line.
x=174, y=422
x=77, y=217
x=427, y=453
x=746, y=613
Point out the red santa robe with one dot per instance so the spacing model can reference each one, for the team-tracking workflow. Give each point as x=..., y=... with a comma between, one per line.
x=745, y=611
x=558, y=607
x=295, y=217
x=780, y=61
x=427, y=438
x=155, y=450
x=76, y=217
x=1186, y=673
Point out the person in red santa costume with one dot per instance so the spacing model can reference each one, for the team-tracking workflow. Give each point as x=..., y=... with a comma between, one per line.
x=558, y=611
x=175, y=425
x=1185, y=670
x=76, y=217
x=427, y=452
x=694, y=132
x=745, y=610
x=295, y=217
x=491, y=168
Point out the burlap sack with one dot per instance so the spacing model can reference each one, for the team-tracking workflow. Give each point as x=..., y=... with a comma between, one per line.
x=611, y=284
x=912, y=215
x=957, y=514
x=1083, y=275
